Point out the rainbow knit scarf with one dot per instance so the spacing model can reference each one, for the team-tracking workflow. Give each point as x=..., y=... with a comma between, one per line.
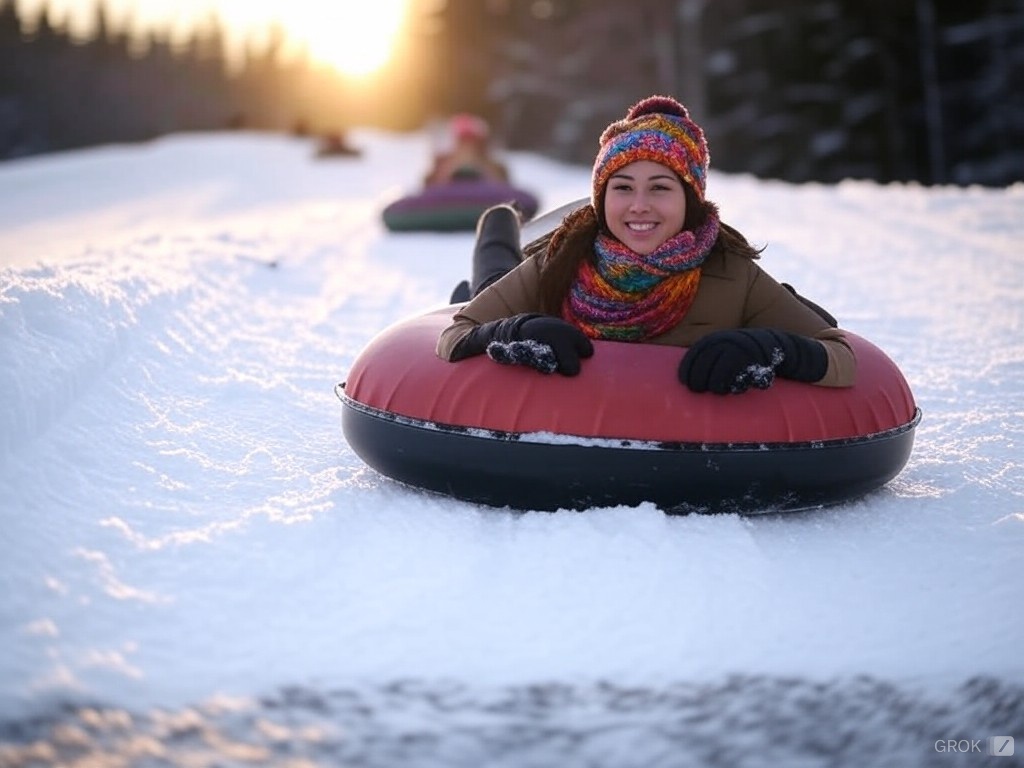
x=622, y=295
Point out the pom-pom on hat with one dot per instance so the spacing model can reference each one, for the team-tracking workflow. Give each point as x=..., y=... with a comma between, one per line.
x=657, y=128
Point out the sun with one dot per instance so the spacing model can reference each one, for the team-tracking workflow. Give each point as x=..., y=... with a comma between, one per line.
x=356, y=39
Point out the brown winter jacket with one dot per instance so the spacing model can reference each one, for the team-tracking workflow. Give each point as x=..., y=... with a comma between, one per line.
x=734, y=292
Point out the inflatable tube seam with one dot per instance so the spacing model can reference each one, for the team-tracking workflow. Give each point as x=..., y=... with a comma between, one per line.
x=555, y=438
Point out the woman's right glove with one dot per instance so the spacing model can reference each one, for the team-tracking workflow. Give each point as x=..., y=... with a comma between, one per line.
x=732, y=361
x=545, y=343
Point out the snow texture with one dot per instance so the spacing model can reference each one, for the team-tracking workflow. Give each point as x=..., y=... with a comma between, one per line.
x=535, y=354
x=198, y=570
x=758, y=376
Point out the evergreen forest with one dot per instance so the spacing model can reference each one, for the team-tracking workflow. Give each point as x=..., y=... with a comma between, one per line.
x=929, y=91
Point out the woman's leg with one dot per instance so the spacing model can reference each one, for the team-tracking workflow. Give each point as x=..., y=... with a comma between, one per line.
x=497, y=249
x=495, y=252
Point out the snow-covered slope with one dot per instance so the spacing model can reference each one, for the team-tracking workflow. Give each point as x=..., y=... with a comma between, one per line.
x=188, y=545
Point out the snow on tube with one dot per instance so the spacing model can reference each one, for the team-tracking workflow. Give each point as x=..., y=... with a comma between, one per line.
x=623, y=431
x=455, y=206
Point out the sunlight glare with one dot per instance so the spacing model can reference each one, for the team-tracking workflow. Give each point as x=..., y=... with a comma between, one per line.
x=357, y=39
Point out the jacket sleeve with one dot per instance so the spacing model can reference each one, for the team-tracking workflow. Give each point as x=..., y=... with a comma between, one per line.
x=770, y=305
x=513, y=294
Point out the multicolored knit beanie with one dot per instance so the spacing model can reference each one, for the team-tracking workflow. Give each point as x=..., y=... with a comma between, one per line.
x=657, y=128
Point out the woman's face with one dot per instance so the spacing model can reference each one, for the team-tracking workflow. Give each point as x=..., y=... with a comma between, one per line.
x=644, y=205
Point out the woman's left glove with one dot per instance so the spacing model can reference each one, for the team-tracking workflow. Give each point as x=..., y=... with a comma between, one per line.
x=735, y=360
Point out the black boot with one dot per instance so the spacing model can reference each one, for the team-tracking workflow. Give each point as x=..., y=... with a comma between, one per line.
x=823, y=313
x=460, y=294
x=497, y=248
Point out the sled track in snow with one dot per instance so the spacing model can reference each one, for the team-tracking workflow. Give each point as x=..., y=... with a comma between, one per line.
x=740, y=722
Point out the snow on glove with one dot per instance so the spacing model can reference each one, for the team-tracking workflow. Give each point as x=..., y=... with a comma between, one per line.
x=532, y=353
x=567, y=343
x=733, y=361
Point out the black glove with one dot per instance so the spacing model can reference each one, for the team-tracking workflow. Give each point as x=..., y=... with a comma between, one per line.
x=543, y=342
x=732, y=361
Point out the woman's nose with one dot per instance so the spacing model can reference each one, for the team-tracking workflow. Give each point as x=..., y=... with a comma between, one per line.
x=639, y=202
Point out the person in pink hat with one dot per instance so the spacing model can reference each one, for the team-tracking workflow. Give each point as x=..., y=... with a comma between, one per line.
x=649, y=260
x=470, y=155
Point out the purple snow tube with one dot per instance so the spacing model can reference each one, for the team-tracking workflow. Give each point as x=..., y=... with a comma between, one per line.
x=455, y=206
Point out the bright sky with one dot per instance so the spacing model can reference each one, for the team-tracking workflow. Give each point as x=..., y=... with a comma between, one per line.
x=355, y=37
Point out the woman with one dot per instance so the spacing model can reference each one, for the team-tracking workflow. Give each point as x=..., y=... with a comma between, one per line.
x=648, y=260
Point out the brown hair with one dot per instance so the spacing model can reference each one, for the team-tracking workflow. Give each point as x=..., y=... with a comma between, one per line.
x=561, y=251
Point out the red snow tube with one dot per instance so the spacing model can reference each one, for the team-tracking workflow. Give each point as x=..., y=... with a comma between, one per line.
x=455, y=206
x=623, y=431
